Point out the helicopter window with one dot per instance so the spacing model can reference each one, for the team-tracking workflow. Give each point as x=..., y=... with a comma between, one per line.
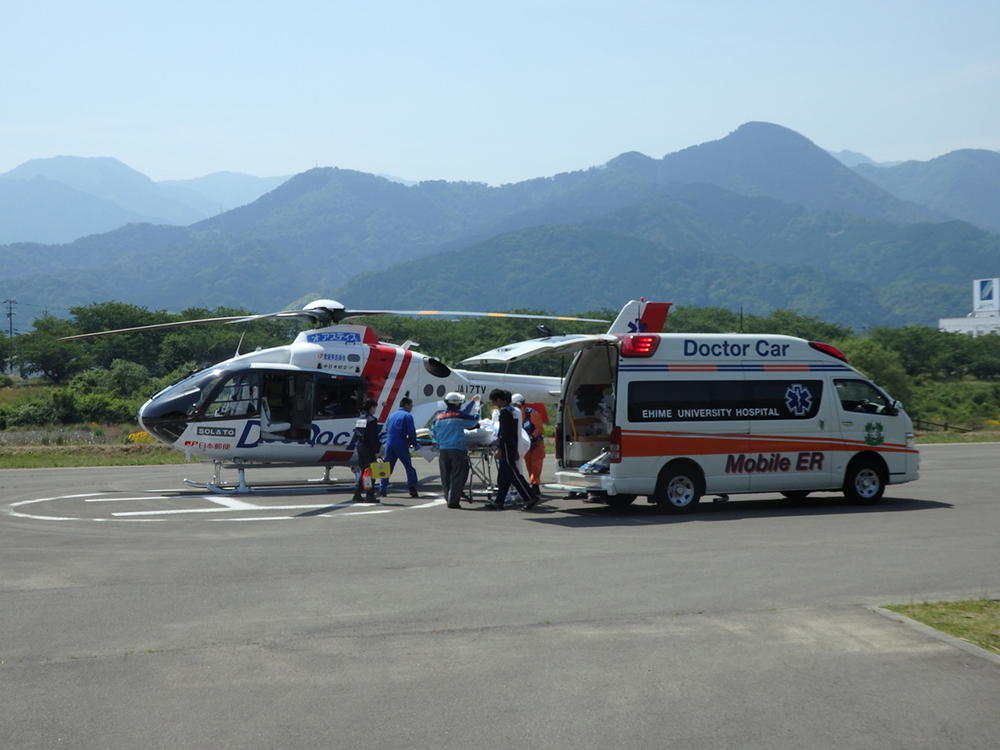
x=337, y=398
x=436, y=368
x=238, y=397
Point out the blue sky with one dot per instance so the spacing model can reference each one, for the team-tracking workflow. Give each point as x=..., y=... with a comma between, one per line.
x=491, y=92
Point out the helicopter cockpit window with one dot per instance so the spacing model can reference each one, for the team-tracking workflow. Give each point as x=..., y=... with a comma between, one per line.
x=238, y=397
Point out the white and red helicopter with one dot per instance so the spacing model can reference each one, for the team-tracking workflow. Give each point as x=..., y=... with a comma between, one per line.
x=297, y=405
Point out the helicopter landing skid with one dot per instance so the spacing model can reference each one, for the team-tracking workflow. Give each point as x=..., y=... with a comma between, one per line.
x=242, y=488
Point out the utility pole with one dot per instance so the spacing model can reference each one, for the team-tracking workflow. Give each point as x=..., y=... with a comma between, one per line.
x=10, y=316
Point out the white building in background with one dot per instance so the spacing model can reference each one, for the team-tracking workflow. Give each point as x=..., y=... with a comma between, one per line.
x=985, y=315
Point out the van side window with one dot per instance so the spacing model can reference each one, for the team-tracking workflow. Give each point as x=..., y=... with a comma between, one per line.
x=861, y=396
x=722, y=400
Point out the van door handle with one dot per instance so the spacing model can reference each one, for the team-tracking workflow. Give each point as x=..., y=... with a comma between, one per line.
x=847, y=424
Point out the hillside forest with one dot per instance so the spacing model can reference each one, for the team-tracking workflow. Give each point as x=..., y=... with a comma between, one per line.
x=940, y=377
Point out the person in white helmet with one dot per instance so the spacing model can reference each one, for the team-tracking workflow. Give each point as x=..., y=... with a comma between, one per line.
x=448, y=430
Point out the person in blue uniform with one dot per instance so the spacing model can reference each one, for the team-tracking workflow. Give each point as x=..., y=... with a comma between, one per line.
x=449, y=429
x=400, y=436
x=369, y=446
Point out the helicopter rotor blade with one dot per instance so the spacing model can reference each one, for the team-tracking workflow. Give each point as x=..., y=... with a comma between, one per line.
x=467, y=314
x=327, y=312
x=155, y=327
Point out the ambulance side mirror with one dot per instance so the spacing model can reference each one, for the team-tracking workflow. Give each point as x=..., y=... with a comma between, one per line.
x=897, y=406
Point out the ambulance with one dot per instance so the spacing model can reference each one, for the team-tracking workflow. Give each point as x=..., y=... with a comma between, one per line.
x=678, y=416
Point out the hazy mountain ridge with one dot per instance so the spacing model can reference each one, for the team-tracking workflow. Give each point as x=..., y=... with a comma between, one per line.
x=762, y=218
x=706, y=245
x=60, y=199
x=963, y=184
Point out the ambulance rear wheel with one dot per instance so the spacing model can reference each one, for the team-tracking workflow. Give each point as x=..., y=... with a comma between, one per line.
x=865, y=481
x=679, y=488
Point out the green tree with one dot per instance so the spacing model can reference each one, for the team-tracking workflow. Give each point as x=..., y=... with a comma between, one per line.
x=6, y=351
x=123, y=379
x=985, y=357
x=41, y=351
x=140, y=347
x=883, y=366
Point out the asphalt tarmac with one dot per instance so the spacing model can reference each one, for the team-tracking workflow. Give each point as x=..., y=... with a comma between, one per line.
x=136, y=612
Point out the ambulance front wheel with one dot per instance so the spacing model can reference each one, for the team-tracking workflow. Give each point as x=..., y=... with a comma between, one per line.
x=679, y=488
x=865, y=481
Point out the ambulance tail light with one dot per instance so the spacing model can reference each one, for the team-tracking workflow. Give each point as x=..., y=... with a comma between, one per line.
x=615, y=446
x=558, y=442
x=639, y=345
x=830, y=350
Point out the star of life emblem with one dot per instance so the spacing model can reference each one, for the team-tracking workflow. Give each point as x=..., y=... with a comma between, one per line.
x=798, y=399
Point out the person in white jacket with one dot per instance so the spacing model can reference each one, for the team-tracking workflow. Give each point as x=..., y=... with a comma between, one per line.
x=523, y=441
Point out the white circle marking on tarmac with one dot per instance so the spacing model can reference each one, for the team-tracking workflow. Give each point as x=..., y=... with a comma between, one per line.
x=219, y=504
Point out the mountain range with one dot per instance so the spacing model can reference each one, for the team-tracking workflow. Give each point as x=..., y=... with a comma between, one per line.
x=60, y=199
x=761, y=219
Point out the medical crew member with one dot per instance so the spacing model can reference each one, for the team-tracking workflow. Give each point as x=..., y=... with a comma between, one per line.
x=448, y=430
x=533, y=428
x=507, y=452
x=369, y=447
x=400, y=436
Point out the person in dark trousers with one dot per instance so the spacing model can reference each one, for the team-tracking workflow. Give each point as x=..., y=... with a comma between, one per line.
x=449, y=429
x=368, y=444
x=507, y=446
x=400, y=436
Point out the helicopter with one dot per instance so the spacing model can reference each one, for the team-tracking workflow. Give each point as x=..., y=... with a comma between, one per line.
x=298, y=404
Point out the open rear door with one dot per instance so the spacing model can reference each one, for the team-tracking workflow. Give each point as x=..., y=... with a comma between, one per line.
x=558, y=345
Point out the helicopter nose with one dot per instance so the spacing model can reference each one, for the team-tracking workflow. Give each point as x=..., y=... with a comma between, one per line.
x=166, y=415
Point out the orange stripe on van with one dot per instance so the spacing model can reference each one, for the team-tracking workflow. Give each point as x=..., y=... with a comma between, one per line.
x=638, y=444
x=681, y=444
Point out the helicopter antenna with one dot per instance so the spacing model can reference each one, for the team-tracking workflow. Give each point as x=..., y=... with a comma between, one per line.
x=240, y=345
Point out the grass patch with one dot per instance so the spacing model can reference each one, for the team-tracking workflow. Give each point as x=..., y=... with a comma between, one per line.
x=50, y=456
x=985, y=436
x=976, y=621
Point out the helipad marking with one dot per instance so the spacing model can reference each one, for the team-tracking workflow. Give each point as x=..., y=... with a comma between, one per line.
x=225, y=509
x=221, y=504
x=123, y=499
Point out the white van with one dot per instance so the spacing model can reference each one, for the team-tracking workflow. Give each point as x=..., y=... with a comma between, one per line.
x=685, y=415
x=674, y=417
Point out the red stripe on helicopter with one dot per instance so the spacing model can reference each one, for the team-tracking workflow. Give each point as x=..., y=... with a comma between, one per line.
x=397, y=384
x=385, y=368
x=335, y=457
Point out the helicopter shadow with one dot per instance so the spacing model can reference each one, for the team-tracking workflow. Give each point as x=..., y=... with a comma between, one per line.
x=733, y=510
